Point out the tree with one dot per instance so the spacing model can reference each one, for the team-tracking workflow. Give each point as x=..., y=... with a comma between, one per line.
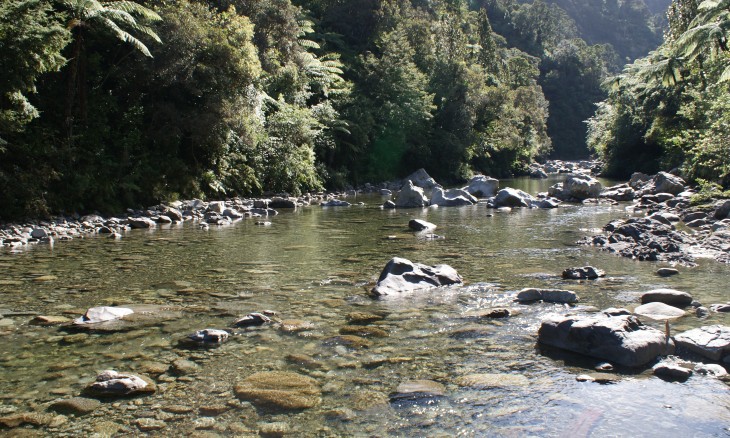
x=31, y=40
x=120, y=18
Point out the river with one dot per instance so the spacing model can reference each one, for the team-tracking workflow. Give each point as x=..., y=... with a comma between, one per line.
x=315, y=265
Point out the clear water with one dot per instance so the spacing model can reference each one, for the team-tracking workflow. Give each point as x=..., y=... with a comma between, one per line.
x=316, y=265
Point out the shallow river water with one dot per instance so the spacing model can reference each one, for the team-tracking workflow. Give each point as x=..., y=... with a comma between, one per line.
x=315, y=265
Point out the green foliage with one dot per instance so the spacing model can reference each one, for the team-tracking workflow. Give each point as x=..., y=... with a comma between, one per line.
x=31, y=40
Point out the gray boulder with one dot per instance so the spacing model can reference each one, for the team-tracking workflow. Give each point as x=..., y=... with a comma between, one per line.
x=208, y=336
x=401, y=275
x=509, y=197
x=672, y=369
x=217, y=207
x=174, y=214
x=623, y=339
x=667, y=272
x=141, y=222
x=280, y=202
x=232, y=213
x=451, y=198
x=482, y=186
x=421, y=178
x=39, y=233
x=576, y=187
x=667, y=296
x=411, y=196
x=667, y=183
x=388, y=205
x=547, y=203
x=722, y=209
x=547, y=295
x=712, y=342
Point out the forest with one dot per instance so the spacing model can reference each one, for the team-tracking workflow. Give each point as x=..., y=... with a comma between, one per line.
x=106, y=105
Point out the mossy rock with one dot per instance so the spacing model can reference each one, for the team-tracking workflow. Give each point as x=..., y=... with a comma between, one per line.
x=279, y=390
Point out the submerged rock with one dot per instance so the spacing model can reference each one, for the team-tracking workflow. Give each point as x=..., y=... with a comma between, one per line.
x=667, y=272
x=418, y=389
x=76, y=406
x=279, y=390
x=252, y=319
x=401, y=275
x=207, y=336
x=484, y=381
x=111, y=383
x=620, y=339
x=712, y=342
x=547, y=295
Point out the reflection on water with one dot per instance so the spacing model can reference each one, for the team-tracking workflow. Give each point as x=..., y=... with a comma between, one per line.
x=313, y=267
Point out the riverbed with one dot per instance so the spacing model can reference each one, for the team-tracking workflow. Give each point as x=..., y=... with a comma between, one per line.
x=314, y=266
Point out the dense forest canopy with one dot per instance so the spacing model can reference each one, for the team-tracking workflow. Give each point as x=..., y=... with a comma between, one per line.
x=111, y=104
x=672, y=108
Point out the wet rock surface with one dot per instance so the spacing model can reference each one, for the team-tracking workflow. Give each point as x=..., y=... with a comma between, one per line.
x=547, y=295
x=583, y=273
x=712, y=342
x=111, y=384
x=620, y=339
x=280, y=390
x=667, y=296
x=401, y=275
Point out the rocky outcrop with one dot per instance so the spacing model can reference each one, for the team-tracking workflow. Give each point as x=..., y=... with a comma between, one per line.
x=509, y=197
x=482, y=186
x=712, y=342
x=411, y=196
x=644, y=239
x=619, y=339
x=401, y=275
x=451, y=198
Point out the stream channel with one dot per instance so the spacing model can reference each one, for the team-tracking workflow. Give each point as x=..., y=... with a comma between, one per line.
x=314, y=266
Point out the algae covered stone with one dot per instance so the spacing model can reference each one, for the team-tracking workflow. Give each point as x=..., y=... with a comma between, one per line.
x=280, y=390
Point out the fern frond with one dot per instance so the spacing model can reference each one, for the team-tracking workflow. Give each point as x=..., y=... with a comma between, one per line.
x=126, y=36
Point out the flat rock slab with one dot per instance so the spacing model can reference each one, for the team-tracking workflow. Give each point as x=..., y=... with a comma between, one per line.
x=667, y=296
x=417, y=389
x=620, y=339
x=484, y=381
x=669, y=369
x=712, y=342
x=76, y=406
x=547, y=295
x=401, y=275
x=280, y=390
x=659, y=311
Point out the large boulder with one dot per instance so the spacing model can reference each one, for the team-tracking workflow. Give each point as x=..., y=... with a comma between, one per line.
x=620, y=339
x=712, y=342
x=722, y=210
x=667, y=296
x=576, y=187
x=420, y=225
x=422, y=179
x=401, y=275
x=279, y=390
x=141, y=222
x=583, y=273
x=411, y=196
x=509, y=197
x=482, y=186
x=451, y=198
x=111, y=383
x=667, y=183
